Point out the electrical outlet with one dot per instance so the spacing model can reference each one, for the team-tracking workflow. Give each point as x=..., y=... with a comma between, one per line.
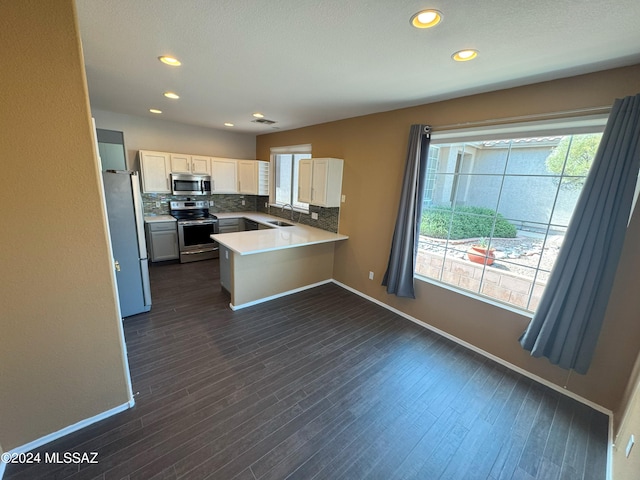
x=266, y=204
x=211, y=203
x=370, y=275
x=343, y=198
x=314, y=216
x=632, y=440
x=157, y=204
x=243, y=202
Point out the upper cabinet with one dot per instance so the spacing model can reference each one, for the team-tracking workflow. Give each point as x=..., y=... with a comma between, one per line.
x=200, y=165
x=224, y=176
x=253, y=177
x=320, y=181
x=180, y=163
x=194, y=164
x=155, y=168
x=305, y=175
x=227, y=174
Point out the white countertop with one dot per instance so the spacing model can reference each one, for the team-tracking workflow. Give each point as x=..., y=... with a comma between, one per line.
x=159, y=218
x=277, y=238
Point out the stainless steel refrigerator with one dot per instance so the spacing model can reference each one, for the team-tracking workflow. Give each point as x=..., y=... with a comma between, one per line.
x=126, y=228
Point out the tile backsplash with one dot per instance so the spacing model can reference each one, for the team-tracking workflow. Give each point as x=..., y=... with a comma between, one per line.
x=328, y=218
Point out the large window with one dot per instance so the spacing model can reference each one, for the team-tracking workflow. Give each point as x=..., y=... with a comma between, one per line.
x=495, y=211
x=285, y=161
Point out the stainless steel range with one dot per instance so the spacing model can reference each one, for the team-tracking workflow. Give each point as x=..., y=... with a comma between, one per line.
x=195, y=225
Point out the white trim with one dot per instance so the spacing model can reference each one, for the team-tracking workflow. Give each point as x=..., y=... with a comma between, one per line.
x=610, y=450
x=538, y=128
x=278, y=295
x=67, y=430
x=484, y=353
x=304, y=148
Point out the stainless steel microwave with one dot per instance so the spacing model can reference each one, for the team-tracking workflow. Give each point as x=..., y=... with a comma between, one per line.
x=185, y=184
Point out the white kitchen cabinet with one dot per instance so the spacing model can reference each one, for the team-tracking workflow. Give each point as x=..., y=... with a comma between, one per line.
x=320, y=181
x=191, y=164
x=163, y=241
x=224, y=177
x=200, y=165
x=180, y=163
x=155, y=168
x=253, y=177
x=305, y=174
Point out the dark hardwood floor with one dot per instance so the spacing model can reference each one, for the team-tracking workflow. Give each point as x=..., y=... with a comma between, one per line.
x=319, y=385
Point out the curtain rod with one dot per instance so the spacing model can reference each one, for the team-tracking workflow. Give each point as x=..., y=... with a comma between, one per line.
x=522, y=118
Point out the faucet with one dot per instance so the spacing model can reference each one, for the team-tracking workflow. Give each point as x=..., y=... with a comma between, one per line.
x=291, y=207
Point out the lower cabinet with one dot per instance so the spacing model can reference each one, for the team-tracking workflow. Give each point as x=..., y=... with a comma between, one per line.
x=163, y=241
x=228, y=225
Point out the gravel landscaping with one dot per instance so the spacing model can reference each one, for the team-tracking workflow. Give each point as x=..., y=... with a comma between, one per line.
x=518, y=255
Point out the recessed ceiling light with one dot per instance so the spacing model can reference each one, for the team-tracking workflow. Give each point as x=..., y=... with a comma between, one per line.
x=426, y=19
x=228, y=124
x=258, y=115
x=465, y=55
x=155, y=110
x=172, y=95
x=174, y=62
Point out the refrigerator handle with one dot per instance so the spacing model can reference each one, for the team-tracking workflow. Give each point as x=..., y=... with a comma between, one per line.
x=139, y=215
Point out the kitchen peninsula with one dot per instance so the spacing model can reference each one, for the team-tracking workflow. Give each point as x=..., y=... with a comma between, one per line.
x=275, y=260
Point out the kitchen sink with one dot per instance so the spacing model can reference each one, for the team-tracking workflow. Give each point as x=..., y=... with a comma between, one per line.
x=278, y=223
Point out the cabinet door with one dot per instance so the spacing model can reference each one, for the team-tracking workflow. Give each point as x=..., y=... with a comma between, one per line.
x=223, y=175
x=155, y=168
x=319, y=178
x=305, y=171
x=200, y=165
x=180, y=163
x=326, y=182
x=164, y=245
x=247, y=177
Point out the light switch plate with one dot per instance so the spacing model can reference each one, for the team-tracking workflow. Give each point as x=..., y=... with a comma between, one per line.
x=314, y=216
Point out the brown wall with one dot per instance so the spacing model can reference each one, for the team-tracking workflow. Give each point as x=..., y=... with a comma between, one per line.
x=627, y=424
x=61, y=359
x=374, y=147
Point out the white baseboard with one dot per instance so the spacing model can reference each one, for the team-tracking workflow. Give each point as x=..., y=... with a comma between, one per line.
x=66, y=431
x=278, y=295
x=504, y=363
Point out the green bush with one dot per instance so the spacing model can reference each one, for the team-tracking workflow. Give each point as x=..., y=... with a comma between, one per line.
x=465, y=222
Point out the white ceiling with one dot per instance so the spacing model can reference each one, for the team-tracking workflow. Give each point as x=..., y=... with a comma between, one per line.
x=303, y=62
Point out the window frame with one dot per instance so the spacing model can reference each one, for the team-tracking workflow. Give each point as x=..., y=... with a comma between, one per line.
x=587, y=124
x=304, y=149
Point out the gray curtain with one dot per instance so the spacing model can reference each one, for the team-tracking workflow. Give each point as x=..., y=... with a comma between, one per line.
x=568, y=320
x=402, y=259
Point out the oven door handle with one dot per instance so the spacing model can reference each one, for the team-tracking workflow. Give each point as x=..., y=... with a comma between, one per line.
x=187, y=224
